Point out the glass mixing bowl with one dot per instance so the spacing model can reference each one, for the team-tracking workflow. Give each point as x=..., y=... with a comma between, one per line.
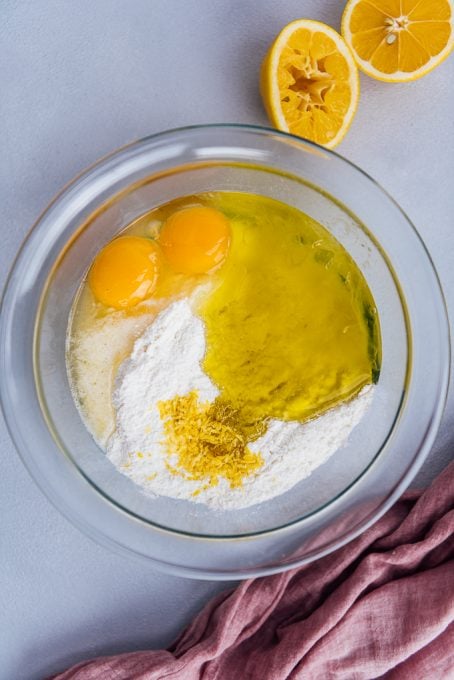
x=344, y=495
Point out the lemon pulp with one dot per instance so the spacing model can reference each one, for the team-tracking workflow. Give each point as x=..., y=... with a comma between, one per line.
x=399, y=41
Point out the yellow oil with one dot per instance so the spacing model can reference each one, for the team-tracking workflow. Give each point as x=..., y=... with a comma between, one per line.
x=292, y=328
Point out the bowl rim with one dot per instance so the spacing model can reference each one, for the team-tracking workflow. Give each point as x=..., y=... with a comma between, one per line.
x=419, y=455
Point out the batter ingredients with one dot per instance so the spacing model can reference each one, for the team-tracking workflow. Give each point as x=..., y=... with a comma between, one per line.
x=166, y=361
x=222, y=348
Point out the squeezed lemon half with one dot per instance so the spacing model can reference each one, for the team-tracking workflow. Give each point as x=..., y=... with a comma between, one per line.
x=309, y=82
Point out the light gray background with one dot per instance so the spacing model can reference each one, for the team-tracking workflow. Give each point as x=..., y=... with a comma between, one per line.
x=79, y=78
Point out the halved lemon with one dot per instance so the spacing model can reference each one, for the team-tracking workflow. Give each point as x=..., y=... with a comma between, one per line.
x=399, y=40
x=309, y=82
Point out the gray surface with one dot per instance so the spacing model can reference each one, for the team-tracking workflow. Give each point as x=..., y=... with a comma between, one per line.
x=77, y=80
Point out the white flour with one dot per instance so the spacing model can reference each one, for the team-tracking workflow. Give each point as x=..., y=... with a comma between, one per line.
x=165, y=362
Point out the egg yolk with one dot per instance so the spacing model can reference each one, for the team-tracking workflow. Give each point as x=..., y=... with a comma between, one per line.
x=195, y=240
x=125, y=272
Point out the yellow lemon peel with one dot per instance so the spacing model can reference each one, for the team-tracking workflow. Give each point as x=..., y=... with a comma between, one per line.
x=210, y=440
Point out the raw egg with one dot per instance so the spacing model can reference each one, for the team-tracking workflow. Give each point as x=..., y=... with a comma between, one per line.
x=125, y=272
x=195, y=240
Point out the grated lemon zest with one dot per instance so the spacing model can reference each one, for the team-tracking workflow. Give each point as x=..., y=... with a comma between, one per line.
x=210, y=440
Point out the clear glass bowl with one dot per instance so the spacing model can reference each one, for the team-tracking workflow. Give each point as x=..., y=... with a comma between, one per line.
x=344, y=495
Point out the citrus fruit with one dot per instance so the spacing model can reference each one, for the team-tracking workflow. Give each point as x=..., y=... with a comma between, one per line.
x=309, y=82
x=398, y=40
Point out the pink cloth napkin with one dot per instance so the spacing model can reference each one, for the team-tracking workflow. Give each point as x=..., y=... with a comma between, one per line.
x=380, y=607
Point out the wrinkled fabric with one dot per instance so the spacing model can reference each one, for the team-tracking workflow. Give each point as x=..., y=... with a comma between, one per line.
x=380, y=607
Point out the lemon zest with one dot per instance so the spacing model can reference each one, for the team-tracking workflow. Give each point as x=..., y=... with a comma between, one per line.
x=209, y=440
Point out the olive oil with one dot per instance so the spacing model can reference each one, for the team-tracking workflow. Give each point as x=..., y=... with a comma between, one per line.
x=291, y=328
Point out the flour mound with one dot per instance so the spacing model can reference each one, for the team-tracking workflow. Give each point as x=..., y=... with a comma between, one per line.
x=165, y=361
